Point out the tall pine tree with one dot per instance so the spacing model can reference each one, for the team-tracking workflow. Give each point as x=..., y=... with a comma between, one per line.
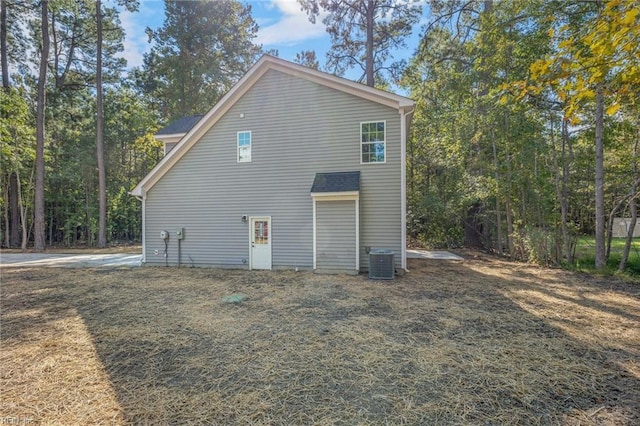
x=202, y=49
x=364, y=33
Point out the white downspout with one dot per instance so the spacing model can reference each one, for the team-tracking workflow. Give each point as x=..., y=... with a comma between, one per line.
x=357, y=202
x=403, y=183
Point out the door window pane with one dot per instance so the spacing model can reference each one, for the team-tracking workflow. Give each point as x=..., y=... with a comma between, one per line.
x=261, y=232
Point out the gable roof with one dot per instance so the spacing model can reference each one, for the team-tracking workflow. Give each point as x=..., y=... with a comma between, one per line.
x=181, y=125
x=336, y=182
x=254, y=74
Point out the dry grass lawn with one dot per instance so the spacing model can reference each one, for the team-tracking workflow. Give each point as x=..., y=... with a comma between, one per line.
x=476, y=342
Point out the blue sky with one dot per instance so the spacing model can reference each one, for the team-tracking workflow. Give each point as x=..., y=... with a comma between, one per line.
x=282, y=26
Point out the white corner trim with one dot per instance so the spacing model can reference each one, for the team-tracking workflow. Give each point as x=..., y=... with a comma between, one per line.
x=314, y=235
x=144, y=227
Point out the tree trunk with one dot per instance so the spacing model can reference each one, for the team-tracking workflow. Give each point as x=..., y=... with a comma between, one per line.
x=473, y=228
x=609, y=229
x=5, y=206
x=561, y=186
x=14, y=232
x=102, y=176
x=601, y=259
x=564, y=195
x=3, y=45
x=499, y=247
x=23, y=211
x=39, y=235
x=508, y=210
x=9, y=229
x=369, y=71
x=633, y=207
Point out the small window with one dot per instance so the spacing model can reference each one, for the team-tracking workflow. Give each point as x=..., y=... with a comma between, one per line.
x=372, y=138
x=244, y=147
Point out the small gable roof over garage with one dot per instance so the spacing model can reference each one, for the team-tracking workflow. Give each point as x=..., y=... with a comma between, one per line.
x=336, y=182
x=402, y=104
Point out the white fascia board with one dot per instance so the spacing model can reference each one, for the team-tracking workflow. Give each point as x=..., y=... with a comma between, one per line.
x=344, y=85
x=198, y=130
x=174, y=137
x=335, y=196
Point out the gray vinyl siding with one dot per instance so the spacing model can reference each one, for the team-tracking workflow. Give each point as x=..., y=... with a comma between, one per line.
x=298, y=128
x=336, y=235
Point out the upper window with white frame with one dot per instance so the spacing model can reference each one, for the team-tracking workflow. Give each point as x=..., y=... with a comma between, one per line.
x=244, y=147
x=372, y=138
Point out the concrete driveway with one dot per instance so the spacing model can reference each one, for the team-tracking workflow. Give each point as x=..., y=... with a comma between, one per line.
x=134, y=260
x=70, y=260
x=432, y=254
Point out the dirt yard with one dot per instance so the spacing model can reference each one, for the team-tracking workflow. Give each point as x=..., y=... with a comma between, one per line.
x=475, y=342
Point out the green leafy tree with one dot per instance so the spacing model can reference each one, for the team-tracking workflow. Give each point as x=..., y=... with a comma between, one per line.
x=15, y=16
x=17, y=156
x=102, y=172
x=365, y=33
x=479, y=162
x=4, y=62
x=596, y=61
x=307, y=58
x=39, y=218
x=202, y=49
x=131, y=152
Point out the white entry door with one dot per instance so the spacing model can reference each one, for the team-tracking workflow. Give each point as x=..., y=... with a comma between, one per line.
x=260, y=238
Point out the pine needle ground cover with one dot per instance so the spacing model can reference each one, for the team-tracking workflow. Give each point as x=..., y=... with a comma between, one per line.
x=475, y=342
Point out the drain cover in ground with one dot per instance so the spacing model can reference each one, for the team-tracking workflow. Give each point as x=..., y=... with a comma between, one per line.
x=235, y=298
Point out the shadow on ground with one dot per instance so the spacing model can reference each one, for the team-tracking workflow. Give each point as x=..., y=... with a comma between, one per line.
x=473, y=342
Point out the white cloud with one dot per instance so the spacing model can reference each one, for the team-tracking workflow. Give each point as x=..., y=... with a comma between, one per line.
x=133, y=49
x=293, y=26
x=281, y=22
x=136, y=42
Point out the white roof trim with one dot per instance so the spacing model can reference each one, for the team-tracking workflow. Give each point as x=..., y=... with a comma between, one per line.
x=352, y=195
x=265, y=64
x=173, y=137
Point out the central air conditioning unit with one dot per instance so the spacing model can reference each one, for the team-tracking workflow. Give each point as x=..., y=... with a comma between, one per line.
x=381, y=265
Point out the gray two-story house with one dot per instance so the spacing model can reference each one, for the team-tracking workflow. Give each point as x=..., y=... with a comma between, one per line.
x=292, y=169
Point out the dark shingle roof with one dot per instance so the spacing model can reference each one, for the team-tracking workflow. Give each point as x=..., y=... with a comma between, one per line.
x=181, y=125
x=336, y=182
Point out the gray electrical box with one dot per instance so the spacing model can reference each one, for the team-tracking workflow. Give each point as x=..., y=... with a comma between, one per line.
x=164, y=235
x=180, y=233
